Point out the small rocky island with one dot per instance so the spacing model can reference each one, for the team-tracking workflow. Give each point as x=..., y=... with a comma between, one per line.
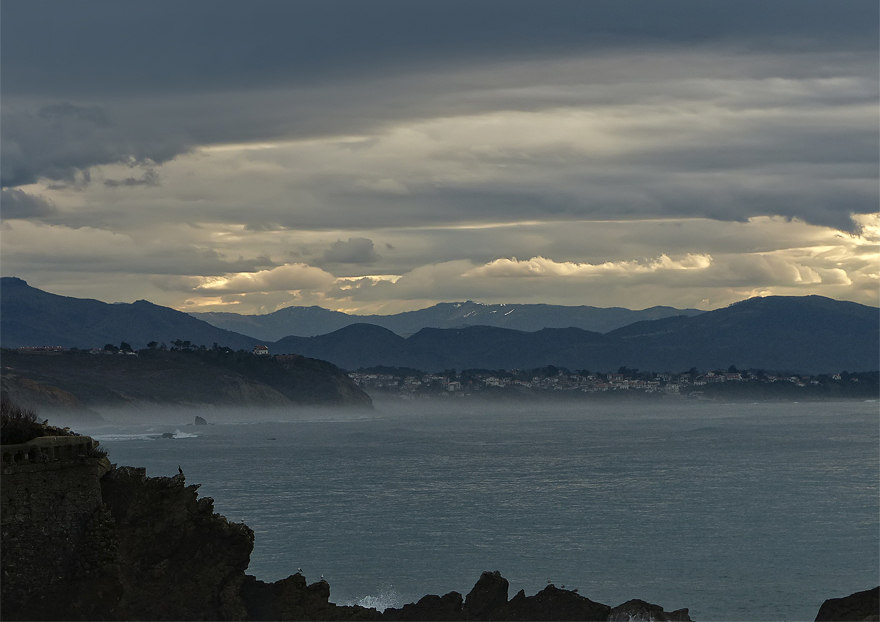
x=83, y=539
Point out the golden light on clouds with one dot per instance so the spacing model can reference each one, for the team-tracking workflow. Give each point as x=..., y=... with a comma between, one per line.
x=543, y=267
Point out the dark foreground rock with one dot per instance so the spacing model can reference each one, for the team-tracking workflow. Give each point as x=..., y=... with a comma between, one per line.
x=488, y=601
x=863, y=606
x=293, y=599
x=552, y=603
x=430, y=607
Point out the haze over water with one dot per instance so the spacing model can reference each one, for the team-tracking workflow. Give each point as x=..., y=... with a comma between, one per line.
x=737, y=511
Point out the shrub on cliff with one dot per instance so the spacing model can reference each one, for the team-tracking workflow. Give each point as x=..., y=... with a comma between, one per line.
x=17, y=424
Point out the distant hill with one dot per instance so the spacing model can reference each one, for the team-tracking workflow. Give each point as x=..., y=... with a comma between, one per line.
x=808, y=334
x=780, y=332
x=312, y=321
x=32, y=317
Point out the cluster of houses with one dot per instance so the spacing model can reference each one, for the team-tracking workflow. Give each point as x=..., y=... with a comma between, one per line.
x=467, y=382
x=124, y=349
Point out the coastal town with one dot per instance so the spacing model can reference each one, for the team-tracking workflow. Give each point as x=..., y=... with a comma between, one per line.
x=693, y=384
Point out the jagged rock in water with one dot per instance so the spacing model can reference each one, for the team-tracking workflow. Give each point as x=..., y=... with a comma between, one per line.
x=489, y=594
x=292, y=599
x=551, y=603
x=863, y=606
x=201, y=421
x=430, y=607
x=640, y=611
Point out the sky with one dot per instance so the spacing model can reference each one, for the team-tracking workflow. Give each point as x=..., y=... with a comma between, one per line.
x=379, y=156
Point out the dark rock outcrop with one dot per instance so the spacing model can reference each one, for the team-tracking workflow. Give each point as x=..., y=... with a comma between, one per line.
x=292, y=599
x=552, y=603
x=201, y=421
x=430, y=607
x=487, y=596
x=177, y=558
x=863, y=606
x=488, y=601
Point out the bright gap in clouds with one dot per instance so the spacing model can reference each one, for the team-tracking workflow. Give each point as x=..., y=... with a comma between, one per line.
x=844, y=266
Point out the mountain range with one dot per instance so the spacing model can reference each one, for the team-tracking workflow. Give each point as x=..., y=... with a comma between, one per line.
x=809, y=334
x=802, y=334
x=312, y=321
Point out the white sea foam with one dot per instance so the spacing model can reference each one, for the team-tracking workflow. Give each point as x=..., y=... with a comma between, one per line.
x=179, y=434
x=125, y=437
x=382, y=601
x=143, y=436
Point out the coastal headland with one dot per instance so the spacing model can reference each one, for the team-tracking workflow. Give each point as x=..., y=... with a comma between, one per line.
x=80, y=381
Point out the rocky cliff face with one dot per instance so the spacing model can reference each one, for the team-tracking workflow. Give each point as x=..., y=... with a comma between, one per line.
x=177, y=559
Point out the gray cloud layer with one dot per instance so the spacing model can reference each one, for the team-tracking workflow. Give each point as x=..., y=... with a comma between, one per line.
x=105, y=47
x=17, y=204
x=355, y=250
x=292, y=139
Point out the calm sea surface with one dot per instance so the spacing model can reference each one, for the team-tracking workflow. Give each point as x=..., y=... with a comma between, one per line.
x=737, y=511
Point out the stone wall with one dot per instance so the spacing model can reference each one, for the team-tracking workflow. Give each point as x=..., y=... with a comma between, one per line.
x=51, y=510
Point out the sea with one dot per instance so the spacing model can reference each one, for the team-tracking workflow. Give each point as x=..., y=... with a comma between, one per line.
x=737, y=511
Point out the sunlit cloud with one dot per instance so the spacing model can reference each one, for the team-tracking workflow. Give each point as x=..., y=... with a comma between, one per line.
x=543, y=267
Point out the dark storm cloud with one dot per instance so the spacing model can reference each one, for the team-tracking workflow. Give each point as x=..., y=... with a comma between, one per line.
x=62, y=141
x=107, y=46
x=355, y=250
x=94, y=114
x=18, y=204
x=103, y=82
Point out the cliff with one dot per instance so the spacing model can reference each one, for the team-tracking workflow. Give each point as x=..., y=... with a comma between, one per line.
x=78, y=380
x=85, y=540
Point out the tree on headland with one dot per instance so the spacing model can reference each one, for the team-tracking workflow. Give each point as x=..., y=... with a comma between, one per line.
x=109, y=347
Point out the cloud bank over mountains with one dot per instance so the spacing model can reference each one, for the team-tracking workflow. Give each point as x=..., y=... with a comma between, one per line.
x=384, y=156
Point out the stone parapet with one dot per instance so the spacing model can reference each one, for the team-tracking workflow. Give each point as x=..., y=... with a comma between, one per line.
x=46, y=453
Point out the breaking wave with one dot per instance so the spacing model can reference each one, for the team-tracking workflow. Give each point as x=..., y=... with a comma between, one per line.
x=380, y=602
